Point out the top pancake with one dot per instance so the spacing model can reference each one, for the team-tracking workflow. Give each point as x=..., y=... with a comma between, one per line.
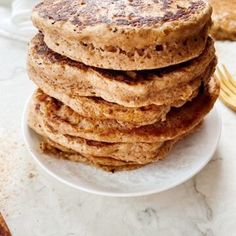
x=125, y=35
x=224, y=19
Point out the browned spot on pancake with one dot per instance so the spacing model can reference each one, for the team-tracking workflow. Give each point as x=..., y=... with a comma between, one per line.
x=123, y=13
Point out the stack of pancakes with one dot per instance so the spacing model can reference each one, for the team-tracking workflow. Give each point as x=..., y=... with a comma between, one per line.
x=120, y=82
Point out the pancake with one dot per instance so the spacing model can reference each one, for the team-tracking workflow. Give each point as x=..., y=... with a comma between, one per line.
x=97, y=108
x=178, y=121
x=60, y=77
x=130, y=117
x=224, y=19
x=60, y=152
x=105, y=163
x=140, y=153
x=125, y=35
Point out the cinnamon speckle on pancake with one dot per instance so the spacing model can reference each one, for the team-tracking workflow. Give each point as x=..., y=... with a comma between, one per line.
x=126, y=13
x=125, y=35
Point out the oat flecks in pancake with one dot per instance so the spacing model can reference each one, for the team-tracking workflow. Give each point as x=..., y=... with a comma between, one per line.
x=105, y=163
x=140, y=152
x=178, y=122
x=87, y=13
x=144, y=34
x=128, y=153
x=129, y=89
x=108, y=156
x=97, y=108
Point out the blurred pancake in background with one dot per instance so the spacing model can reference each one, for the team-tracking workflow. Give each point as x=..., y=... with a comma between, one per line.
x=224, y=19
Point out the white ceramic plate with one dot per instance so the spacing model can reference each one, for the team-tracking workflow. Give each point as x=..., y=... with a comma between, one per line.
x=186, y=159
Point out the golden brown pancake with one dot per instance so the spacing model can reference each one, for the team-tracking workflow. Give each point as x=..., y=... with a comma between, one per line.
x=58, y=151
x=69, y=82
x=178, y=121
x=128, y=153
x=141, y=153
x=129, y=89
x=125, y=35
x=224, y=19
x=130, y=117
x=105, y=163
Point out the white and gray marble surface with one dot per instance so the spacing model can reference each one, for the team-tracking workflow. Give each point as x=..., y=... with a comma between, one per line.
x=34, y=204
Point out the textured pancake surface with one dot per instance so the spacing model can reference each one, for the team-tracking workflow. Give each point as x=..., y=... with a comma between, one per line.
x=105, y=163
x=224, y=19
x=97, y=108
x=138, y=152
x=108, y=156
x=125, y=35
x=65, y=79
x=178, y=121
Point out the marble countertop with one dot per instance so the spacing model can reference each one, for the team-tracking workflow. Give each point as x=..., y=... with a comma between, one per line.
x=34, y=204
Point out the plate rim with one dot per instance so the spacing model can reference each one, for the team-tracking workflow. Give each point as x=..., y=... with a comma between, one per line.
x=25, y=128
